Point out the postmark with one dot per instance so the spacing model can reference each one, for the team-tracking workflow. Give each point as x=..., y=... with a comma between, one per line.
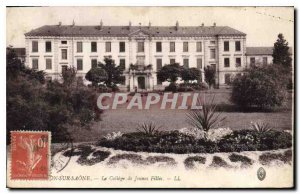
x=59, y=162
x=30, y=155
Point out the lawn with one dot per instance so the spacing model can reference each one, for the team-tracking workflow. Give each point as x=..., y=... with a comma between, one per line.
x=127, y=120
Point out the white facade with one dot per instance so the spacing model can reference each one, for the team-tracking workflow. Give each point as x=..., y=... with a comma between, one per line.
x=225, y=59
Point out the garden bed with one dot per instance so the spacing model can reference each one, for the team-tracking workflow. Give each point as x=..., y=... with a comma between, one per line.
x=183, y=143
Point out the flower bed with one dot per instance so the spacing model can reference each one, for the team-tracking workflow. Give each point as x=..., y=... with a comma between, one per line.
x=182, y=143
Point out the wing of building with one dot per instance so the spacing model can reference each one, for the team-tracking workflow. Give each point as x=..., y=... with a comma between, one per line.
x=53, y=47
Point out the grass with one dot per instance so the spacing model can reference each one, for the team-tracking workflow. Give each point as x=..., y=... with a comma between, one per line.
x=126, y=120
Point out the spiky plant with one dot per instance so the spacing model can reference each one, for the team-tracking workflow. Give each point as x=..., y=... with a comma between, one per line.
x=148, y=128
x=206, y=118
x=261, y=127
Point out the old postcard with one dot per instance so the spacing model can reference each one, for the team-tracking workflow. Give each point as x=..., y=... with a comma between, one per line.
x=150, y=97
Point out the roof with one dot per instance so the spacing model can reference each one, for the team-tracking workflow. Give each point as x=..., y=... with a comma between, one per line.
x=259, y=50
x=262, y=50
x=158, y=31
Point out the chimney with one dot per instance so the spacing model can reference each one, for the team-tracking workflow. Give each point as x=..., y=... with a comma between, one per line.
x=149, y=26
x=140, y=25
x=59, y=23
x=202, y=24
x=215, y=24
x=73, y=24
x=101, y=24
x=129, y=27
x=177, y=25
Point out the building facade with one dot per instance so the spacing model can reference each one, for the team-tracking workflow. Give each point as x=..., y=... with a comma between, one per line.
x=146, y=48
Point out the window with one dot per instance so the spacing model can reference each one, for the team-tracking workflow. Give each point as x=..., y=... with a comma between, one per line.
x=48, y=63
x=64, y=54
x=172, y=46
x=122, y=64
x=93, y=47
x=94, y=63
x=79, y=47
x=48, y=46
x=158, y=81
x=199, y=63
x=252, y=61
x=64, y=68
x=212, y=53
x=122, y=47
x=265, y=60
x=226, y=62
x=158, y=47
x=186, y=63
x=214, y=66
x=140, y=47
x=172, y=61
x=158, y=64
x=199, y=46
x=237, y=45
x=64, y=42
x=35, y=46
x=79, y=64
x=226, y=45
x=35, y=63
x=107, y=47
x=185, y=47
x=227, y=78
x=238, y=62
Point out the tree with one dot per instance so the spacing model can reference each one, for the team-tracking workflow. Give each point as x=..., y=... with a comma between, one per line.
x=96, y=75
x=114, y=73
x=14, y=68
x=260, y=87
x=210, y=75
x=281, y=55
x=169, y=73
x=56, y=107
x=69, y=75
x=190, y=74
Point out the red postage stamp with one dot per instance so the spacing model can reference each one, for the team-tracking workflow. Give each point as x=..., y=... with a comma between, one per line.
x=30, y=154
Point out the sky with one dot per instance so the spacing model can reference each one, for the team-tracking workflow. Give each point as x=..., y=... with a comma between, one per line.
x=261, y=24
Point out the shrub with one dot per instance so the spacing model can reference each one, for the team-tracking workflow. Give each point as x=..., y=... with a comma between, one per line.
x=96, y=75
x=172, y=87
x=268, y=158
x=113, y=135
x=176, y=142
x=261, y=87
x=189, y=162
x=243, y=159
x=148, y=128
x=84, y=151
x=219, y=162
x=104, y=89
x=205, y=118
x=247, y=140
x=261, y=127
x=134, y=158
x=210, y=75
x=185, y=89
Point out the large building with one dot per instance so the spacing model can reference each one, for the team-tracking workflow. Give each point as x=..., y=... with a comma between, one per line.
x=141, y=50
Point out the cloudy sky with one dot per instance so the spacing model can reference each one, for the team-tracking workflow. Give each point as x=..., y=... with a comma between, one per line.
x=261, y=24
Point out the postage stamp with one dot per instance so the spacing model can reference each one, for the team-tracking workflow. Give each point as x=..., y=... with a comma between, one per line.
x=30, y=154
